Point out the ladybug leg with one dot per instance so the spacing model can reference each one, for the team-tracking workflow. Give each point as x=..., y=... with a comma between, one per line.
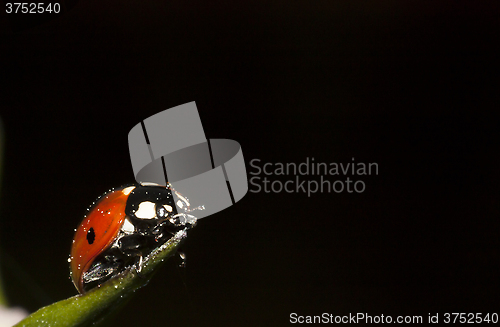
x=170, y=225
x=103, y=268
x=130, y=246
x=138, y=267
x=183, y=219
x=135, y=257
x=182, y=255
x=99, y=271
x=162, y=232
x=130, y=243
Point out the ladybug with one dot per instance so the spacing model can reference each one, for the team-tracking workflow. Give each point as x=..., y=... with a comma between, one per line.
x=123, y=226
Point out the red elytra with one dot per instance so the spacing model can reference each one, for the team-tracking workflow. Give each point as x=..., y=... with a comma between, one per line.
x=96, y=233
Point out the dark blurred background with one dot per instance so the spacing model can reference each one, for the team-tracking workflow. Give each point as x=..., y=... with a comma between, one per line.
x=411, y=85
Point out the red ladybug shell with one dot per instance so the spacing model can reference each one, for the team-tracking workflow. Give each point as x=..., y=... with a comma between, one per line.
x=97, y=232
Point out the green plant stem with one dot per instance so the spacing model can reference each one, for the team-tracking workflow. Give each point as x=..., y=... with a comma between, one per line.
x=100, y=303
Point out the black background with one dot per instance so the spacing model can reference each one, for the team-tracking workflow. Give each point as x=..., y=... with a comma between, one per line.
x=411, y=85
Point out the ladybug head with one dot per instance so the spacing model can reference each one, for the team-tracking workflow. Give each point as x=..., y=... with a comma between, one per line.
x=149, y=205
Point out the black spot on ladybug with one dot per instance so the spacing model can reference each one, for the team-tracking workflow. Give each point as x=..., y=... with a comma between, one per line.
x=91, y=235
